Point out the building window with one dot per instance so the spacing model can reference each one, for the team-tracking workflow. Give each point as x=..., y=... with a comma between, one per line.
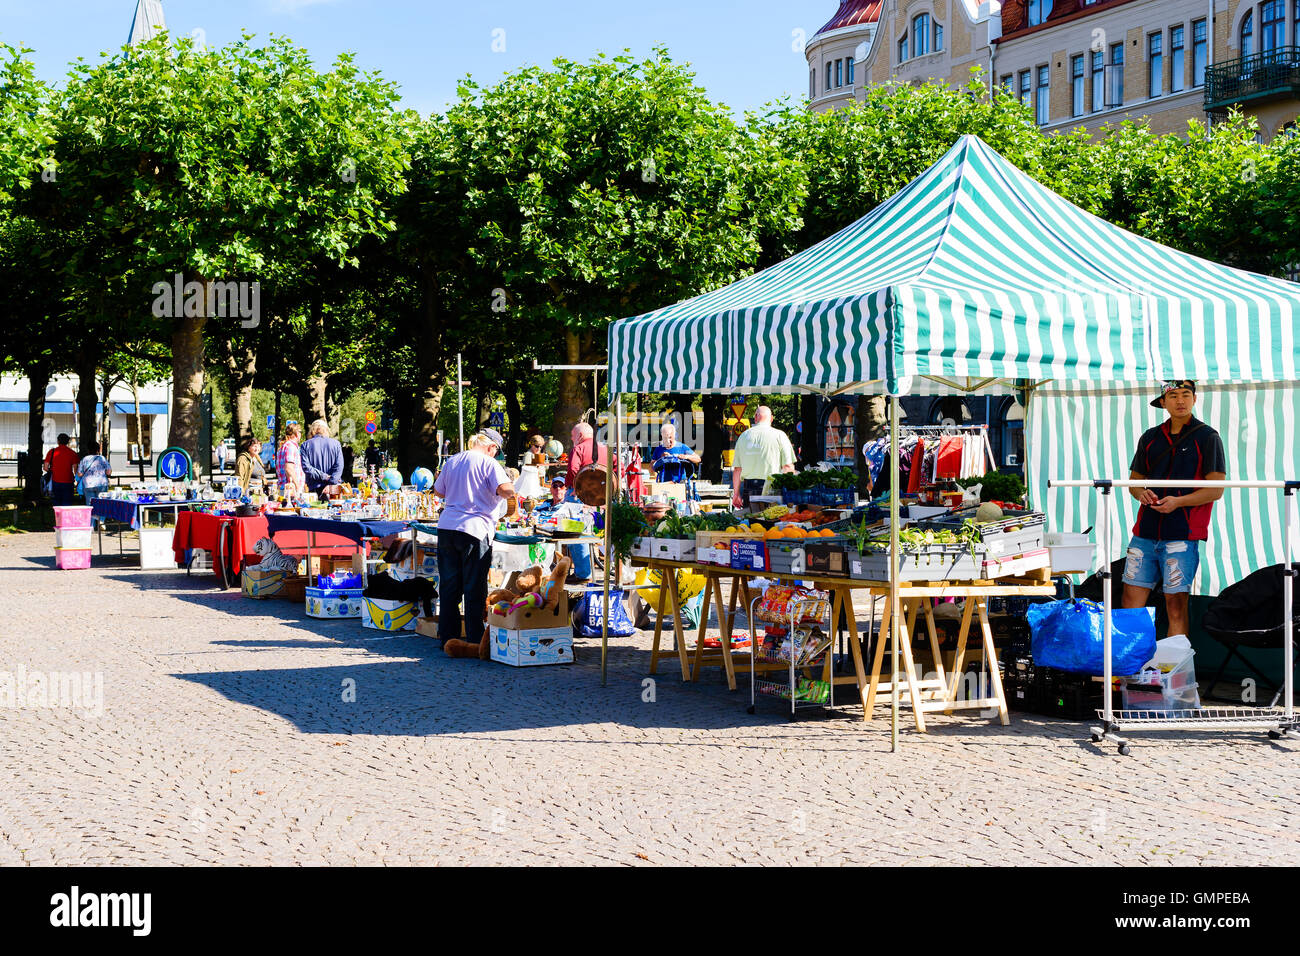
x=1026, y=90
x=938, y=37
x=1076, y=85
x=921, y=34
x=1177, y=64
x=1009, y=83
x=1042, y=100
x=1115, y=91
x=812, y=83
x=1248, y=34
x=1200, y=52
x=902, y=49
x=1098, y=80
x=849, y=70
x=829, y=67
x=839, y=73
x=1155, y=65
x=1039, y=10
x=1272, y=25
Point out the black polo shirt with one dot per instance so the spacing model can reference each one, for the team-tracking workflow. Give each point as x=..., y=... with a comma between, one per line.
x=1193, y=453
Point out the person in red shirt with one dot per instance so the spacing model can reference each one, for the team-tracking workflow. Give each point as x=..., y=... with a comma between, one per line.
x=61, y=464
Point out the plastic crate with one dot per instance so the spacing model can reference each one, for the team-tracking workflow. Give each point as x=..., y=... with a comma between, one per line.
x=834, y=496
x=72, y=559
x=73, y=537
x=805, y=497
x=944, y=562
x=72, y=516
x=1030, y=531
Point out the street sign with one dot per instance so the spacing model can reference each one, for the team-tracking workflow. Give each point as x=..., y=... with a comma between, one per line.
x=270, y=423
x=738, y=409
x=497, y=419
x=174, y=465
x=371, y=428
x=370, y=416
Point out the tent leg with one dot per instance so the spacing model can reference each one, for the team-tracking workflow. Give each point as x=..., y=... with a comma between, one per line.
x=610, y=472
x=894, y=544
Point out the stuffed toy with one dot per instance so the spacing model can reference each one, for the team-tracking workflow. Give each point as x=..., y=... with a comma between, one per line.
x=530, y=591
x=273, y=559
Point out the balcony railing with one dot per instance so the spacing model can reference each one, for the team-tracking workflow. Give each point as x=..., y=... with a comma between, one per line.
x=1268, y=74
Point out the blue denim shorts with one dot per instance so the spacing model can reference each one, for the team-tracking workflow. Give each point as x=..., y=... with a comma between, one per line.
x=1172, y=562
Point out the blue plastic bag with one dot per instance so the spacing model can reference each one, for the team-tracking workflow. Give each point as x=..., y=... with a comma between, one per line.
x=590, y=618
x=1068, y=635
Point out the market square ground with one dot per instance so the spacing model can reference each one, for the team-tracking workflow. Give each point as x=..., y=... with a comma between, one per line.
x=225, y=738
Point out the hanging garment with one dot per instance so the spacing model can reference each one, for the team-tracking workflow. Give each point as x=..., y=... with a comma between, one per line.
x=948, y=463
x=918, y=467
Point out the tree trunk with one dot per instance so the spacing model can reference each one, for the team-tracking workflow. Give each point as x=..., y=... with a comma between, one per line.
x=241, y=369
x=187, y=382
x=420, y=426
x=482, y=411
x=809, y=437
x=715, y=437
x=139, y=426
x=516, y=432
x=409, y=453
x=38, y=378
x=313, y=398
x=87, y=398
x=871, y=421
x=573, y=400
x=105, y=433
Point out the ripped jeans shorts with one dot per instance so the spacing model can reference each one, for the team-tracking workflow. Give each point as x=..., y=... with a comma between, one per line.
x=1172, y=562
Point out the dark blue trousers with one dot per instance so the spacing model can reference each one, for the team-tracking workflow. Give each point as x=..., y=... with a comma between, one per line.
x=463, y=563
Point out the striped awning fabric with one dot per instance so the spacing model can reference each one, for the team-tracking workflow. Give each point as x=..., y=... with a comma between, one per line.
x=973, y=270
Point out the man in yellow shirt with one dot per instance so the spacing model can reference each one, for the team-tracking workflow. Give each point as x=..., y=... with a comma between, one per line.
x=762, y=451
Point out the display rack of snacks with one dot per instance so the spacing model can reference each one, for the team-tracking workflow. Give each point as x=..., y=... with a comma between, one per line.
x=796, y=636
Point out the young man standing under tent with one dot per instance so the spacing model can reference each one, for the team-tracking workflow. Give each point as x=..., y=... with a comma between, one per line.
x=1170, y=526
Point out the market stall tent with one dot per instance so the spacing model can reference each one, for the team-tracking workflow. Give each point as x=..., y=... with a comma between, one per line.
x=973, y=273
x=974, y=270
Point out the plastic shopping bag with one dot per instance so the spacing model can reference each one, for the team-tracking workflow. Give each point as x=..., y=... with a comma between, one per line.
x=1068, y=635
x=591, y=620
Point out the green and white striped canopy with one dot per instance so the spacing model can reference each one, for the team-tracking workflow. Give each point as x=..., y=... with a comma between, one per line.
x=975, y=271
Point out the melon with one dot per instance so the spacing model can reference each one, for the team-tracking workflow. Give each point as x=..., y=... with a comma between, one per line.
x=988, y=512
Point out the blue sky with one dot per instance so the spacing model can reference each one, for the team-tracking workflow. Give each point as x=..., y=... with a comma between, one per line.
x=741, y=50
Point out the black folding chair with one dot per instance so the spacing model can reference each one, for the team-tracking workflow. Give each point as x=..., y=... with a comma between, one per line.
x=1249, y=614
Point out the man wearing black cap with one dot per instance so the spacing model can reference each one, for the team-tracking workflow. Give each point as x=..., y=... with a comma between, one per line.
x=1171, y=526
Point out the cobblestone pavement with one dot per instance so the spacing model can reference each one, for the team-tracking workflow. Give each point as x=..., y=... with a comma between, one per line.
x=224, y=738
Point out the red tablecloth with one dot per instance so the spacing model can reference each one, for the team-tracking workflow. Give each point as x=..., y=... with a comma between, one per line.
x=197, y=530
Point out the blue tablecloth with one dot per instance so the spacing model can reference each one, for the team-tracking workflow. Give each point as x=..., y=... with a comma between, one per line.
x=354, y=530
x=127, y=511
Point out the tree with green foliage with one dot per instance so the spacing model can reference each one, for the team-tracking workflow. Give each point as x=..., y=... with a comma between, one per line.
x=604, y=189
x=242, y=164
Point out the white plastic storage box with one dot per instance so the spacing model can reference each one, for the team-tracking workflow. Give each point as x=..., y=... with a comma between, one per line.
x=1071, y=553
x=73, y=537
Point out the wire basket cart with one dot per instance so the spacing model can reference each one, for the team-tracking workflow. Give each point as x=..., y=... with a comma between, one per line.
x=798, y=657
x=1277, y=721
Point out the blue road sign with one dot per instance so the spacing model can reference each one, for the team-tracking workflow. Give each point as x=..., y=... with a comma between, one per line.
x=174, y=466
x=370, y=428
x=270, y=422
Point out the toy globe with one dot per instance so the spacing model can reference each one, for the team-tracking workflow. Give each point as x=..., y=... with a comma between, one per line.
x=554, y=449
x=422, y=478
x=391, y=479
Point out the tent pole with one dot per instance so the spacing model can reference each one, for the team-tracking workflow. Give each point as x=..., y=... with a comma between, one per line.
x=894, y=545
x=611, y=470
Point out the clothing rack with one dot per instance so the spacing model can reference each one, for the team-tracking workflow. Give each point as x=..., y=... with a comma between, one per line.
x=944, y=430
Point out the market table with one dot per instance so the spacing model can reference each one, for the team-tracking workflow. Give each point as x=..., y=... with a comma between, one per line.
x=926, y=695
x=134, y=514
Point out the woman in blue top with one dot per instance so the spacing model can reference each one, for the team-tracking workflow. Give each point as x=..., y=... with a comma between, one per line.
x=673, y=453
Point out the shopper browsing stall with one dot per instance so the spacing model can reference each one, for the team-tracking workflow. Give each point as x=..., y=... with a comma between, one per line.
x=761, y=452
x=61, y=462
x=93, y=471
x=249, y=464
x=585, y=452
x=556, y=504
x=474, y=488
x=288, y=463
x=322, y=458
x=529, y=484
x=1171, y=526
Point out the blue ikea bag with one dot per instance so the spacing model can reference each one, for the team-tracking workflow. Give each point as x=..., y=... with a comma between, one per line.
x=1068, y=635
x=591, y=620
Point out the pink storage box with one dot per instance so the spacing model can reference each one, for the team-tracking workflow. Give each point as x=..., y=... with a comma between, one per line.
x=72, y=516
x=72, y=559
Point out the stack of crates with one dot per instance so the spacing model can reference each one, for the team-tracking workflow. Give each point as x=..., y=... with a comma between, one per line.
x=72, y=535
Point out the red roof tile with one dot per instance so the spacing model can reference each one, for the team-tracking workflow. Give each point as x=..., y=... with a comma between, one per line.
x=853, y=13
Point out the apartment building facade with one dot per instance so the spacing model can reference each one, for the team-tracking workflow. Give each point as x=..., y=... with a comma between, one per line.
x=1076, y=63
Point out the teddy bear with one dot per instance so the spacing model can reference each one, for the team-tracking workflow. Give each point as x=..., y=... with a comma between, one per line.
x=532, y=589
